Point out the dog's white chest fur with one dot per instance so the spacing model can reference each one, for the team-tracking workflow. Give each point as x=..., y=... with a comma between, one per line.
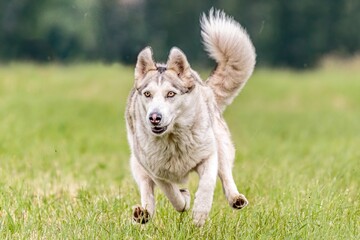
x=172, y=157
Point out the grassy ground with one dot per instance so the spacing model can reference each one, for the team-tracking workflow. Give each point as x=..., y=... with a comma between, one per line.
x=64, y=170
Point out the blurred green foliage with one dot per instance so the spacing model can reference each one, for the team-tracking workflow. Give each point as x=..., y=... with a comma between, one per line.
x=285, y=33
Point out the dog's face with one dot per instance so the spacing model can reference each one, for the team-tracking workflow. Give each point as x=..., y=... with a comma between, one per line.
x=163, y=90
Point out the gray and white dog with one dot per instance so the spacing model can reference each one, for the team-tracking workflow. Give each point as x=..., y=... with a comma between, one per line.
x=175, y=124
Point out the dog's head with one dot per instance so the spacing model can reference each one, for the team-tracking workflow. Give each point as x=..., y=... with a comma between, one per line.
x=163, y=89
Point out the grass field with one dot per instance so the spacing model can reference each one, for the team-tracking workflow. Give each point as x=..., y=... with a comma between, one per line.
x=64, y=170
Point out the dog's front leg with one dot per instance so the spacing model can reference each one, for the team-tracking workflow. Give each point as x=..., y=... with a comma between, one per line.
x=179, y=198
x=142, y=214
x=207, y=171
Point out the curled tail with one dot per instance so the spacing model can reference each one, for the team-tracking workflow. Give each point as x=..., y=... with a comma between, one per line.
x=230, y=46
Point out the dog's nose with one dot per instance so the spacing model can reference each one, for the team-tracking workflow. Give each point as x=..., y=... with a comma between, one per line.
x=155, y=118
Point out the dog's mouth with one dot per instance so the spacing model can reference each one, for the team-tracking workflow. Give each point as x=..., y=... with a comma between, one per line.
x=158, y=130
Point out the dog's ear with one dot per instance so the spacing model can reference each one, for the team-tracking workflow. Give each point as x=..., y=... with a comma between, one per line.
x=144, y=63
x=177, y=62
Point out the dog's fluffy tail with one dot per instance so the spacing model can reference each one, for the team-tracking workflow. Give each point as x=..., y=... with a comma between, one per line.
x=230, y=46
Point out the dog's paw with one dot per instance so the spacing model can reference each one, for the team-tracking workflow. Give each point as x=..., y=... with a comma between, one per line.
x=186, y=195
x=140, y=215
x=199, y=218
x=239, y=202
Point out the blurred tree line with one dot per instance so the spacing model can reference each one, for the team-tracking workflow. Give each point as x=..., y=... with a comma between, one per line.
x=285, y=32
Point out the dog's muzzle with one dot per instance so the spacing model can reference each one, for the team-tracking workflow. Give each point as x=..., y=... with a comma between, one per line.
x=158, y=130
x=155, y=120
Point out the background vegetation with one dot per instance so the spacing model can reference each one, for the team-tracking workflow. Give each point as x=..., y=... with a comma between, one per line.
x=64, y=170
x=285, y=33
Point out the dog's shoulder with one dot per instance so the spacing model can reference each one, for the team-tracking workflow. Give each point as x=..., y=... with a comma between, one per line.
x=130, y=110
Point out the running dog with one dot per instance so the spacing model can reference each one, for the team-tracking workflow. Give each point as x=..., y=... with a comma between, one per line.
x=175, y=125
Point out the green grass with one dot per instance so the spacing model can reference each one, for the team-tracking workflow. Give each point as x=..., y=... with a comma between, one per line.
x=64, y=171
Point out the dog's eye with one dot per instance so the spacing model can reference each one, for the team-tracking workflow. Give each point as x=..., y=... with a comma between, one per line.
x=170, y=94
x=147, y=94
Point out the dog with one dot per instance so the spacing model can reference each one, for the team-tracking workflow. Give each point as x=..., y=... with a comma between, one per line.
x=175, y=125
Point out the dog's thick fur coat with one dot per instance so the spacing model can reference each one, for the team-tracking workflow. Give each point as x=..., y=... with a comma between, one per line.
x=175, y=124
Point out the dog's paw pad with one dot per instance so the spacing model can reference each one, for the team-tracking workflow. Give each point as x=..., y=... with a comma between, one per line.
x=240, y=202
x=140, y=215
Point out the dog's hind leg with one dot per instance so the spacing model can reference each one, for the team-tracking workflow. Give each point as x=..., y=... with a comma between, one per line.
x=179, y=198
x=142, y=214
x=226, y=153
